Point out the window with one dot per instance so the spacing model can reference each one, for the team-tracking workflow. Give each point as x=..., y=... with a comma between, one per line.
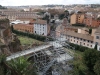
x=91, y=45
x=84, y=39
x=77, y=41
x=35, y=31
x=84, y=43
x=96, y=43
x=87, y=44
x=88, y=40
x=74, y=40
x=97, y=37
x=43, y=34
x=91, y=41
x=80, y=43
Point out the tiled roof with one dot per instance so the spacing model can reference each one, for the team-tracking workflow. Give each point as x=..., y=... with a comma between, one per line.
x=79, y=35
x=24, y=24
x=40, y=22
x=32, y=21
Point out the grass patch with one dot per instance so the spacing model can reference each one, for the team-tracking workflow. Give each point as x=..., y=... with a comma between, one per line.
x=28, y=41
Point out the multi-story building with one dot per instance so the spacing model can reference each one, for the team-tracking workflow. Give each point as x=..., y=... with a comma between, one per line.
x=91, y=20
x=14, y=15
x=25, y=18
x=80, y=39
x=41, y=27
x=97, y=38
x=77, y=18
x=24, y=27
x=66, y=27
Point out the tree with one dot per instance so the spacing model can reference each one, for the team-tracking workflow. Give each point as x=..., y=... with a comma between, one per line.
x=1, y=7
x=97, y=68
x=46, y=18
x=12, y=29
x=90, y=30
x=90, y=57
x=95, y=46
x=66, y=13
x=61, y=16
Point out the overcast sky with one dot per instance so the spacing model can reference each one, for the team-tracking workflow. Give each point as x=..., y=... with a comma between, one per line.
x=45, y=2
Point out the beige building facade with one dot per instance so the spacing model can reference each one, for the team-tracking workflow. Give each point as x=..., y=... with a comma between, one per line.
x=80, y=39
x=97, y=38
x=77, y=18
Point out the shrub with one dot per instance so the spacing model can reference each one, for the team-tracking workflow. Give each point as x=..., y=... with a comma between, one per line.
x=78, y=47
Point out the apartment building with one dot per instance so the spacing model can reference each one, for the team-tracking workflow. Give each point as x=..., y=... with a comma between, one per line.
x=77, y=18
x=41, y=27
x=14, y=15
x=91, y=20
x=97, y=38
x=66, y=27
x=24, y=27
x=80, y=39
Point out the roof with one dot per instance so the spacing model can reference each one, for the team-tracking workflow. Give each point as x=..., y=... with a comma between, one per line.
x=32, y=21
x=24, y=24
x=40, y=22
x=79, y=35
x=73, y=27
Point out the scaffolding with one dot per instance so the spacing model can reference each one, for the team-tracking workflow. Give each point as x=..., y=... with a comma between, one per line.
x=50, y=61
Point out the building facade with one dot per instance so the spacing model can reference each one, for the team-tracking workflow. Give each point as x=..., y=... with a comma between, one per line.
x=24, y=28
x=77, y=18
x=91, y=20
x=80, y=39
x=97, y=38
x=41, y=27
x=14, y=15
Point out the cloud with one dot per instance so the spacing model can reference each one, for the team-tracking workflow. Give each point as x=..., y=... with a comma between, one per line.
x=44, y=2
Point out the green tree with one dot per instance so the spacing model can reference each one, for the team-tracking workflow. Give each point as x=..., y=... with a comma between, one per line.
x=95, y=46
x=66, y=13
x=90, y=31
x=61, y=16
x=1, y=7
x=90, y=57
x=46, y=18
x=97, y=68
